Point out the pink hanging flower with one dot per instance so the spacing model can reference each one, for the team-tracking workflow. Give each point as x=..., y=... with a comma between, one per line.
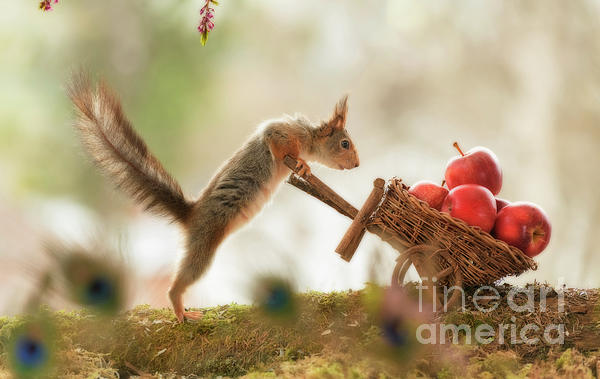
x=206, y=25
x=46, y=5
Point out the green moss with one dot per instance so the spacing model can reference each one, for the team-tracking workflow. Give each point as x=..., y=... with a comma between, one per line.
x=329, y=365
x=331, y=371
x=445, y=373
x=570, y=364
x=596, y=317
x=472, y=319
x=259, y=375
x=333, y=301
x=500, y=364
x=522, y=373
x=566, y=359
x=3, y=321
x=229, y=340
x=333, y=335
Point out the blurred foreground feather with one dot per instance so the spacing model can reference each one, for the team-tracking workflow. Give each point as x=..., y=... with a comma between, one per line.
x=31, y=347
x=276, y=298
x=93, y=278
x=93, y=283
x=398, y=315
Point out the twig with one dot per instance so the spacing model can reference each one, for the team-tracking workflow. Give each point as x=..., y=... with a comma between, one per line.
x=136, y=370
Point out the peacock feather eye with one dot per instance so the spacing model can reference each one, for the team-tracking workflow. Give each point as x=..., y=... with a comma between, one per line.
x=276, y=298
x=31, y=349
x=99, y=291
x=395, y=332
x=93, y=282
x=398, y=317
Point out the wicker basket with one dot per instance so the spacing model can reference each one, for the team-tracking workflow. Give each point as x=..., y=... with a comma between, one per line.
x=447, y=242
x=444, y=250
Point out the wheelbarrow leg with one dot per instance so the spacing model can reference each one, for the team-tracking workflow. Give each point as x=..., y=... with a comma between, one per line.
x=421, y=256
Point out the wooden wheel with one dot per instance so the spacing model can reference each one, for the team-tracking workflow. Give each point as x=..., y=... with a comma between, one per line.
x=423, y=258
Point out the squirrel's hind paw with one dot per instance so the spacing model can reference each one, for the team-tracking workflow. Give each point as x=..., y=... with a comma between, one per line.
x=192, y=315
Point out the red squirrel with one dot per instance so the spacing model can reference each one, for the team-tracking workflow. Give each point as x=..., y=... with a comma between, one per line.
x=236, y=192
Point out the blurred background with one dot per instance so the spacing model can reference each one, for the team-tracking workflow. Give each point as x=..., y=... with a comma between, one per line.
x=519, y=77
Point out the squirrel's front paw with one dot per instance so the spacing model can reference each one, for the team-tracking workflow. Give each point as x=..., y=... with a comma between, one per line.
x=302, y=168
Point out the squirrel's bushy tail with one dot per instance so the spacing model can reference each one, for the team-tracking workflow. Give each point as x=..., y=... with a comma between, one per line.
x=121, y=153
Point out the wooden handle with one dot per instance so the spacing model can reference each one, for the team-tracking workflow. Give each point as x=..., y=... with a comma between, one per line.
x=349, y=243
x=320, y=191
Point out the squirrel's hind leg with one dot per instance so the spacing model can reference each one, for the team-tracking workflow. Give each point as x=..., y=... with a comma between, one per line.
x=197, y=258
x=180, y=284
x=176, y=296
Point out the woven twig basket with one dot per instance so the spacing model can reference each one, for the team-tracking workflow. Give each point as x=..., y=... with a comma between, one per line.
x=480, y=258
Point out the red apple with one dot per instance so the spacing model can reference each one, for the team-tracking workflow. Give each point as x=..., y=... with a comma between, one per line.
x=429, y=192
x=525, y=226
x=478, y=166
x=501, y=203
x=472, y=203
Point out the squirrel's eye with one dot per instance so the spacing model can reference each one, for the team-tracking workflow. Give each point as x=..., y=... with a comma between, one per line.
x=345, y=144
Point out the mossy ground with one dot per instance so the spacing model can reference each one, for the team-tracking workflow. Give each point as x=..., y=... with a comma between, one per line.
x=332, y=336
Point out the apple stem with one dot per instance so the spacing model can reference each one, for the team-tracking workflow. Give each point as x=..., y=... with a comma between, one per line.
x=455, y=144
x=443, y=182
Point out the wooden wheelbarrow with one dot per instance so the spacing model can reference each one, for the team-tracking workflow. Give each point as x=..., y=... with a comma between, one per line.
x=447, y=253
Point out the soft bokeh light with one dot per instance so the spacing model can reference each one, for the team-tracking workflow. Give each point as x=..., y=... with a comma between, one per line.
x=520, y=77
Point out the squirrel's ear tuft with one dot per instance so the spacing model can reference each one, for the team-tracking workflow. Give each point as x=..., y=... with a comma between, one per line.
x=338, y=120
x=324, y=130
